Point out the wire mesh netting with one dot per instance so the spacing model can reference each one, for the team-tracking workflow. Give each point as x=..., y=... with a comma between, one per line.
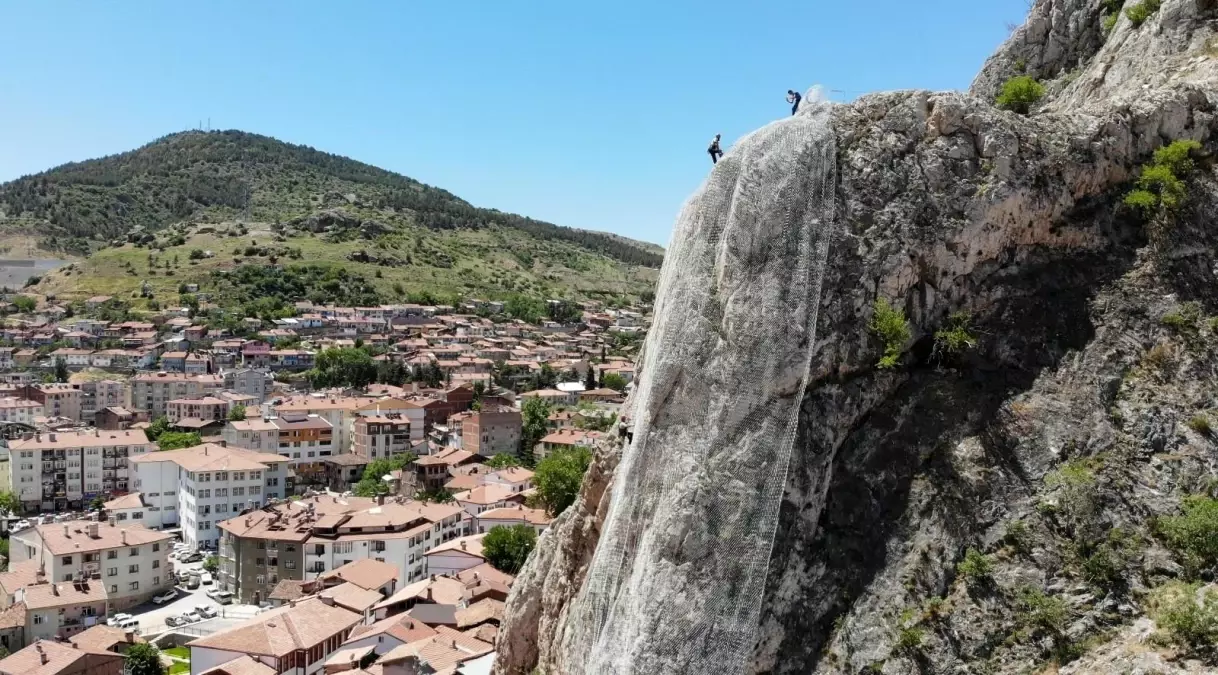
x=676, y=583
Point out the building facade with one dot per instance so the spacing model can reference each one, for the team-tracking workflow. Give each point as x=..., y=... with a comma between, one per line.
x=61, y=470
x=154, y=391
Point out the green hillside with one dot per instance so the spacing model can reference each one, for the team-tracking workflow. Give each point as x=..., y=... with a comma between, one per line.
x=253, y=200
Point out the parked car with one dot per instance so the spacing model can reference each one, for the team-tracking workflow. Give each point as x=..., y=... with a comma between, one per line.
x=206, y=611
x=224, y=598
x=206, y=578
x=191, y=557
x=165, y=597
x=117, y=619
x=172, y=621
x=192, y=582
x=191, y=617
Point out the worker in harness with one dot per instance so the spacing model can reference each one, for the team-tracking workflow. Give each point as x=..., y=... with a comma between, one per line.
x=793, y=98
x=715, y=151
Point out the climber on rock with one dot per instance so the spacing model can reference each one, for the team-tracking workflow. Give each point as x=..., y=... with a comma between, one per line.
x=793, y=98
x=714, y=150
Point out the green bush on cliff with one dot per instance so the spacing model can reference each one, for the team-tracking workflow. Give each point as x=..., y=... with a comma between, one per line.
x=889, y=324
x=1160, y=186
x=1193, y=535
x=1019, y=94
x=1139, y=13
x=956, y=335
x=1187, y=615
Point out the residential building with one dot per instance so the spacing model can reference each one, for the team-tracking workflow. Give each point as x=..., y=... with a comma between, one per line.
x=127, y=508
x=61, y=470
x=433, y=471
x=47, y=657
x=154, y=391
x=381, y=436
x=291, y=640
x=249, y=381
x=456, y=555
x=132, y=562
x=299, y=539
x=20, y=410
x=565, y=439
x=509, y=516
x=492, y=430
x=58, y=400
x=99, y=395
x=487, y=497
x=253, y=433
x=116, y=418
x=208, y=408
x=55, y=609
x=196, y=488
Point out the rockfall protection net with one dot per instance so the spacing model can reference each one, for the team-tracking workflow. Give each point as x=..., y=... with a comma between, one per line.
x=676, y=583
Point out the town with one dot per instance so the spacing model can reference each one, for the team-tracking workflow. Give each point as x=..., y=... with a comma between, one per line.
x=331, y=487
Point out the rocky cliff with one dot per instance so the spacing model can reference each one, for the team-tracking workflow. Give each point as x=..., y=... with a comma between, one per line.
x=1000, y=507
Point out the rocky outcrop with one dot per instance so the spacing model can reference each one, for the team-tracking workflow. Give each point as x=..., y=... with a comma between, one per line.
x=946, y=205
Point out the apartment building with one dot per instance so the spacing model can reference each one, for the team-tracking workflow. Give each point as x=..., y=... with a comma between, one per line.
x=62, y=609
x=20, y=410
x=62, y=470
x=58, y=400
x=492, y=430
x=249, y=381
x=132, y=562
x=198, y=487
x=48, y=657
x=300, y=539
x=154, y=391
x=99, y=395
x=208, y=408
x=381, y=436
x=256, y=433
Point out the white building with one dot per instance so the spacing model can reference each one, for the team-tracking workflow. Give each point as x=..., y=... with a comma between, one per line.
x=21, y=410
x=291, y=640
x=198, y=487
x=132, y=562
x=456, y=555
x=58, y=470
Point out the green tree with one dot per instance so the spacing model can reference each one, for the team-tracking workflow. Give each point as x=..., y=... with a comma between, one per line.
x=236, y=413
x=144, y=659
x=173, y=440
x=211, y=564
x=559, y=476
x=507, y=548
x=590, y=379
x=1019, y=94
x=61, y=371
x=503, y=460
x=614, y=381
x=98, y=503
x=158, y=426
x=435, y=495
x=25, y=303
x=371, y=483
x=10, y=503
x=343, y=367
x=535, y=420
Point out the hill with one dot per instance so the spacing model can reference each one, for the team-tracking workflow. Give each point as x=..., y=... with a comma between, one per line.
x=208, y=190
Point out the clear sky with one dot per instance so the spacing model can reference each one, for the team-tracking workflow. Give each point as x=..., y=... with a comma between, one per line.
x=588, y=114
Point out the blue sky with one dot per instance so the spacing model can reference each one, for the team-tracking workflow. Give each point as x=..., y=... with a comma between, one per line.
x=588, y=114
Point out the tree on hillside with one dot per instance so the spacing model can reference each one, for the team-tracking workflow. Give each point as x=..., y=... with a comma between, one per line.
x=545, y=378
x=371, y=483
x=559, y=476
x=435, y=495
x=535, y=421
x=158, y=426
x=61, y=370
x=392, y=373
x=614, y=381
x=343, y=367
x=25, y=303
x=143, y=659
x=507, y=548
x=173, y=440
x=590, y=379
x=236, y=413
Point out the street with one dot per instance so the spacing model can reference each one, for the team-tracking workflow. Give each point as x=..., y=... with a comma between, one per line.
x=152, y=617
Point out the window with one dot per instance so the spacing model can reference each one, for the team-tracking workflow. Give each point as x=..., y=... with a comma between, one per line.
x=156, y=581
x=67, y=560
x=38, y=618
x=156, y=564
x=156, y=547
x=135, y=585
x=113, y=588
x=289, y=564
x=67, y=577
x=133, y=569
x=135, y=551
x=343, y=546
x=255, y=490
x=319, y=549
x=238, y=492
x=112, y=572
x=260, y=579
x=204, y=494
x=111, y=555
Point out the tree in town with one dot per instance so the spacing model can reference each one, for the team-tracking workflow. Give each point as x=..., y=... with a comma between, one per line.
x=343, y=367
x=143, y=659
x=61, y=370
x=503, y=460
x=173, y=440
x=98, y=503
x=211, y=564
x=479, y=390
x=372, y=483
x=435, y=495
x=158, y=426
x=590, y=379
x=614, y=381
x=507, y=548
x=535, y=420
x=559, y=476
x=10, y=503
x=236, y=413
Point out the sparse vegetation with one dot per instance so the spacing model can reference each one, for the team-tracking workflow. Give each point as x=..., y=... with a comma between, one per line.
x=1160, y=187
x=1018, y=536
x=889, y=324
x=1193, y=535
x=1019, y=94
x=975, y=568
x=1187, y=615
x=1200, y=423
x=1039, y=611
x=1141, y=11
x=1111, y=11
x=1186, y=319
x=956, y=336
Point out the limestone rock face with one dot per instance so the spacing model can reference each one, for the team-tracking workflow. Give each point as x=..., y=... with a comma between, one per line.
x=946, y=204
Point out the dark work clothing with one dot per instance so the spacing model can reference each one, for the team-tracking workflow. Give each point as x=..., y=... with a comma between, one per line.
x=715, y=152
x=795, y=99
